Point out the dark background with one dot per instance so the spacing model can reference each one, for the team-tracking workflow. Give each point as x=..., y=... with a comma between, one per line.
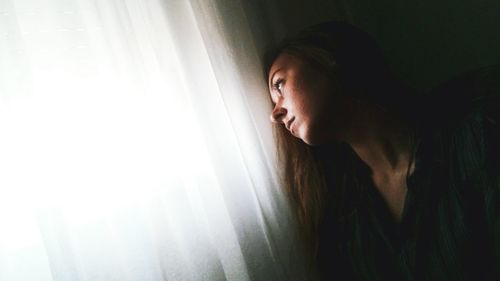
x=426, y=42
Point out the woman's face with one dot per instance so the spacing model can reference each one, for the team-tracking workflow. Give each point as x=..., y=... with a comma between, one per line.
x=305, y=100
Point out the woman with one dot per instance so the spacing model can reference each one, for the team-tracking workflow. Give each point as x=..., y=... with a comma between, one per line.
x=386, y=186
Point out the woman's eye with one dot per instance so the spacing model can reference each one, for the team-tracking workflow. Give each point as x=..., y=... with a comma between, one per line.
x=278, y=85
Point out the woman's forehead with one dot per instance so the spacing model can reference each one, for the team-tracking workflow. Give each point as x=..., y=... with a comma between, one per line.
x=282, y=60
x=282, y=63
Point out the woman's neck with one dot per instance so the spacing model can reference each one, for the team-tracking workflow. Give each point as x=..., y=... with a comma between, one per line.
x=381, y=140
x=386, y=144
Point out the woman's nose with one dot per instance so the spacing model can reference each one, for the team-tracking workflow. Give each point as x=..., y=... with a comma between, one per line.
x=278, y=114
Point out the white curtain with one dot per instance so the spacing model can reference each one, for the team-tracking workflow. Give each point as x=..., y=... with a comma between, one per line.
x=135, y=144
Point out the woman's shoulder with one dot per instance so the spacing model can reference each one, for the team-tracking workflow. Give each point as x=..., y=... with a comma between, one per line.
x=463, y=117
x=473, y=144
x=474, y=91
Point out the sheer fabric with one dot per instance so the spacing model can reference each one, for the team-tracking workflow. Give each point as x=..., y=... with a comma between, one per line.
x=129, y=147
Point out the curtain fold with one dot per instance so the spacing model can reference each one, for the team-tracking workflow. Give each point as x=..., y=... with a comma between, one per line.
x=135, y=144
x=235, y=41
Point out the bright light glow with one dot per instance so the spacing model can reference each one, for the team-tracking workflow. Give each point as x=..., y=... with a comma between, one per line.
x=119, y=159
x=85, y=126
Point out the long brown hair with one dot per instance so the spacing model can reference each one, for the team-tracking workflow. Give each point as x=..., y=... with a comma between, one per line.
x=303, y=179
x=357, y=64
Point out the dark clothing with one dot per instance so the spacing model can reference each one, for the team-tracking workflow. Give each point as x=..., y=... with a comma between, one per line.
x=450, y=227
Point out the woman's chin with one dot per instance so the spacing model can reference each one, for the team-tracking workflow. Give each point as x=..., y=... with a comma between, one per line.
x=309, y=141
x=305, y=137
x=315, y=139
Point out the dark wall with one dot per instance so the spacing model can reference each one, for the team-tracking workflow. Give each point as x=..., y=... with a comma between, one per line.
x=425, y=41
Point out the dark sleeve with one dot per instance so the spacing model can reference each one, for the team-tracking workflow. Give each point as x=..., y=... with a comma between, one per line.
x=473, y=101
x=494, y=211
x=485, y=103
x=468, y=109
x=492, y=191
